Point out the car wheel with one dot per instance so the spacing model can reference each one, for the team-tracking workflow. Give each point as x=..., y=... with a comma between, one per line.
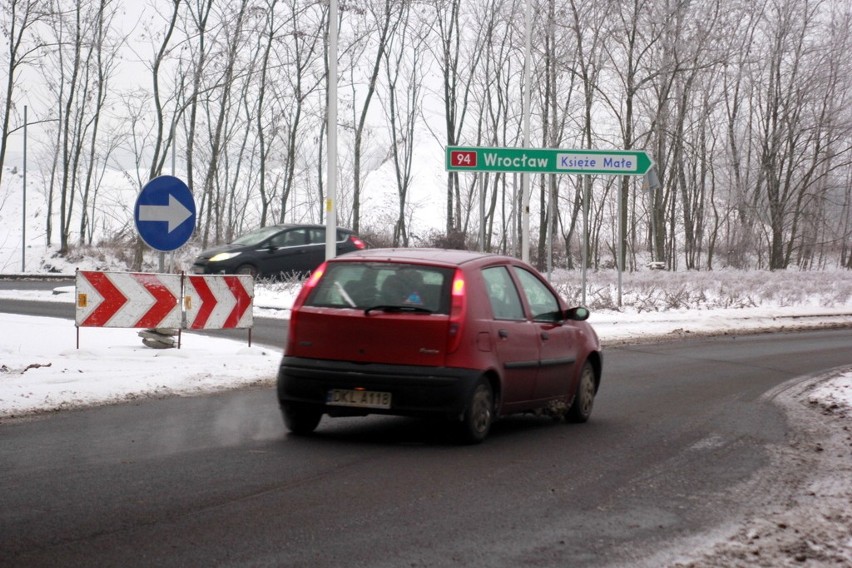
x=584, y=398
x=247, y=269
x=300, y=419
x=479, y=414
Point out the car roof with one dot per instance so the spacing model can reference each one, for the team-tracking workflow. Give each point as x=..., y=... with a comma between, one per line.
x=449, y=257
x=303, y=226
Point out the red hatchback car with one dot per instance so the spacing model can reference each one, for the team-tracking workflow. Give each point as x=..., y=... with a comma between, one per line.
x=421, y=332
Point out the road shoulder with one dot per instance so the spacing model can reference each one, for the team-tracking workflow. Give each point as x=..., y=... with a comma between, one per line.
x=798, y=511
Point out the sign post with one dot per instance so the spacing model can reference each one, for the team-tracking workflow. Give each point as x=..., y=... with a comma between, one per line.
x=165, y=219
x=551, y=161
x=548, y=161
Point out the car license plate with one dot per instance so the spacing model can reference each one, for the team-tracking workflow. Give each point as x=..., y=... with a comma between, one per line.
x=359, y=398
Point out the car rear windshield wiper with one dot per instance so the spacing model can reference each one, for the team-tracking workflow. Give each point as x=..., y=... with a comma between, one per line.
x=397, y=309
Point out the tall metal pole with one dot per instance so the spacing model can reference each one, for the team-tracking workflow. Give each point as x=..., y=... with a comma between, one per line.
x=481, y=211
x=172, y=254
x=621, y=252
x=585, y=255
x=24, y=217
x=525, y=177
x=550, y=212
x=331, y=199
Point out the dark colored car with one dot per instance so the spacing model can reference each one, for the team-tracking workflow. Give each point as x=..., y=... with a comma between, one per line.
x=460, y=335
x=274, y=251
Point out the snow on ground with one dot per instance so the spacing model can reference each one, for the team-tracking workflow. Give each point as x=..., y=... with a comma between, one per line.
x=42, y=370
x=798, y=510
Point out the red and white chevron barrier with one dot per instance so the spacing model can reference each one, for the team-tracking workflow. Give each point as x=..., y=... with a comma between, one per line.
x=128, y=299
x=218, y=302
x=135, y=299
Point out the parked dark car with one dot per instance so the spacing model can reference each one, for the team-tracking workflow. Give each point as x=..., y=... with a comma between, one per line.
x=460, y=335
x=274, y=251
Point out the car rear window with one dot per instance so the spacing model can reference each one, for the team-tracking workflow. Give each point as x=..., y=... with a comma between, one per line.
x=369, y=285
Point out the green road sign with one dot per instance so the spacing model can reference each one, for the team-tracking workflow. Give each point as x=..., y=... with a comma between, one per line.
x=547, y=161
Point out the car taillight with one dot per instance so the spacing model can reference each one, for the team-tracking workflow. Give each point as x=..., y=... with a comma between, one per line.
x=359, y=244
x=309, y=285
x=458, y=306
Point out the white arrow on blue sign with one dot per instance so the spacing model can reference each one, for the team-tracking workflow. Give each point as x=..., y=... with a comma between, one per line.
x=165, y=213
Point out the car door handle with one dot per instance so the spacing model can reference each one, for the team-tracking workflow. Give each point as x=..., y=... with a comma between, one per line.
x=545, y=336
x=503, y=333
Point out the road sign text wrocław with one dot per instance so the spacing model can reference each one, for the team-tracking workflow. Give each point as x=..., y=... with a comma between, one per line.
x=547, y=161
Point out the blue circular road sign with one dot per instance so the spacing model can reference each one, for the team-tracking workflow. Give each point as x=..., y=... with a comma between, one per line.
x=165, y=213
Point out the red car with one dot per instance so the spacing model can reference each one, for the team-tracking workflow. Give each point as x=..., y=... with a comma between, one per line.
x=421, y=332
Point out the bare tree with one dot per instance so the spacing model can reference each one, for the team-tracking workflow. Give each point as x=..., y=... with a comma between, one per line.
x=385, y=18
x=265, y=123
x=304, y=71
x=403, y=59
x=587, y=25
x=499, y=120
x=793, y=138
x=162, y=139
x=744, y=105
x=637, y=29
x=459, y=63
x=557, y=95
x=79, y=93
x=101, y=67
x=21, y=16
x=738, y=94
x=193, y=63
x=149, y=143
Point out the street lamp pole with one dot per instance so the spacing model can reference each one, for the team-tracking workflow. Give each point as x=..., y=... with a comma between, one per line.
x=525, y=177
x=24, y=215
x=331, y=199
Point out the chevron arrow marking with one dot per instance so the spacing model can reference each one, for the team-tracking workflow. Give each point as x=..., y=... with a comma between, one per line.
x=243, y=301
x=113, y=299
x=143, y=300
x=208, y=302
x=164, y=300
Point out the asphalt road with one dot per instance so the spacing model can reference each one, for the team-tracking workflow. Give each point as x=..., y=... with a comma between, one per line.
x=266, y=331
x=215, y=480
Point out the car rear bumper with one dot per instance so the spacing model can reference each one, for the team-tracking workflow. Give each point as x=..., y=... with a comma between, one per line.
x=415, y=390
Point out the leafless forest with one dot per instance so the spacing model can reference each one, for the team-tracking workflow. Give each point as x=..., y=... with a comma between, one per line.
x=745, y=106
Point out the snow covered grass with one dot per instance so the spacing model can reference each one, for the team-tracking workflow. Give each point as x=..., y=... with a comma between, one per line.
x=658, y=290
x=40, y=369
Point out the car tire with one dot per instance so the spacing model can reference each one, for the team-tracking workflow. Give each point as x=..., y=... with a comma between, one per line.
x=247, y=269
x=300, y=419
x=478, y=414
x=584, y=397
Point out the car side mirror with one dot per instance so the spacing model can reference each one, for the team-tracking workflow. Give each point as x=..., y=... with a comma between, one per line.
x=579, y=313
